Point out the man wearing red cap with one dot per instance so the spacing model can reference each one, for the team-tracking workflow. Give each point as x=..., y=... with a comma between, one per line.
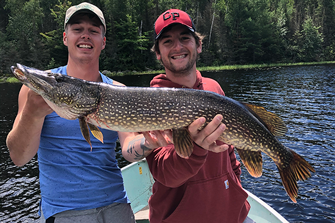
x=206, y=187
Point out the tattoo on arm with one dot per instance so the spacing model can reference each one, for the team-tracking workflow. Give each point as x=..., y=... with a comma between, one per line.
x=138, y=142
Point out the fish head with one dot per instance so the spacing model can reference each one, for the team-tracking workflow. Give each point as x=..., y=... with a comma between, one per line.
x=37, y=80
x=69, y=97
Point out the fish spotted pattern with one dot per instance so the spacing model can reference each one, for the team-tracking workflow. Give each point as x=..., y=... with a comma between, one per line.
x=249, y=128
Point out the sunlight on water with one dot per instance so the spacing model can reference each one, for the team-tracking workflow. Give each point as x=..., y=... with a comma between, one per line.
x=302, y=96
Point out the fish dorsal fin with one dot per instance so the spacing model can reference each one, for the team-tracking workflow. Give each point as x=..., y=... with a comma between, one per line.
x=272, y=121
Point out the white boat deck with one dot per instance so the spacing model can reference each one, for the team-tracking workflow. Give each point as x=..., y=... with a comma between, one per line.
x=138, y=183
x=142, y=214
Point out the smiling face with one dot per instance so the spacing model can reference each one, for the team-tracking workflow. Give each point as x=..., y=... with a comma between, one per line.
x=178, y=50
x=84, y=37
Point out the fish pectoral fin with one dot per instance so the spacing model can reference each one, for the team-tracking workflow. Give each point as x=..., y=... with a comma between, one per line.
x=252, y=160
x=183, y=143
x=298, y=169
x=96, y=132
x=84, y=130
x=272, y=121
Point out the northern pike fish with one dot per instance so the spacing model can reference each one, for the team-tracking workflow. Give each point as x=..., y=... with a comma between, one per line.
x=249, y=128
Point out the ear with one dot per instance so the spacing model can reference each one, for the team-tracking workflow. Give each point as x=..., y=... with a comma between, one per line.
x=158, y=55
x=199, y=48
x=64, y=39
x=104, y=43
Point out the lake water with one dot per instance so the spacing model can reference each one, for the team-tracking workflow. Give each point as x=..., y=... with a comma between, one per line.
x=302, y=96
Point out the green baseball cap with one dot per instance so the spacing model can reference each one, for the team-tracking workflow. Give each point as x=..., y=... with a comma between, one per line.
x=85, y=6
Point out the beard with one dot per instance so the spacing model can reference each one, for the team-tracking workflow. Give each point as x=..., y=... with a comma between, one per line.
x=180, y=70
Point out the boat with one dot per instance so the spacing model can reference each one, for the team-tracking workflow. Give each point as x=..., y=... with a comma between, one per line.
x=138, y=183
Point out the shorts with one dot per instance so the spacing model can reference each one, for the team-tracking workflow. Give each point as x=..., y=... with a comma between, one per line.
x=113, y=213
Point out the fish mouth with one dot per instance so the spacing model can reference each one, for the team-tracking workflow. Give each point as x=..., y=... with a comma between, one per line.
x=36, y=80
x=19, y=74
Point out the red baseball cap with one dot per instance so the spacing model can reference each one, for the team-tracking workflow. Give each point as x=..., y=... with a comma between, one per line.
x=172, y=16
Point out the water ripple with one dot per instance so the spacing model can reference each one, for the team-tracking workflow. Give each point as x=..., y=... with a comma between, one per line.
x=302, y=96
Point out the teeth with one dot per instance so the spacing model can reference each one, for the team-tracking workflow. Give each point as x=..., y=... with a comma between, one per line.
x=179, y=57
x=85, y=46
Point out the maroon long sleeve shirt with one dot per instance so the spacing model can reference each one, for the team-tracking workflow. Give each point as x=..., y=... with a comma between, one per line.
x=204, y=188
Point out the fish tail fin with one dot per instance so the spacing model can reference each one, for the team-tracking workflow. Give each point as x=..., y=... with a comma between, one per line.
x=298, y=169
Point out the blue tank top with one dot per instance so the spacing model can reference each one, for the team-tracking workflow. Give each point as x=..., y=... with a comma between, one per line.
x=71, y=176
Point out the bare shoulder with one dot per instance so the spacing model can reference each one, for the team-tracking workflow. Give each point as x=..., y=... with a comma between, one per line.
x=23, y=92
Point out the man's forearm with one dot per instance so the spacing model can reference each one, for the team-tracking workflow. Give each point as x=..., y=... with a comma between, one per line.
x=135, y=149
x=23, y=140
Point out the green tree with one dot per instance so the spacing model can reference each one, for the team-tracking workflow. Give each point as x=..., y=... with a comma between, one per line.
x=25, y=20
x=306, y=44
x=253, y=36
x=311, y=42
x=325, y=17
x=53, y=38
x=3, y=16
x=129, y=47
x=7, y=53
x=237, y=31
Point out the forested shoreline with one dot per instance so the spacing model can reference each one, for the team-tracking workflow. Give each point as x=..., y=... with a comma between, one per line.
x=237, y=32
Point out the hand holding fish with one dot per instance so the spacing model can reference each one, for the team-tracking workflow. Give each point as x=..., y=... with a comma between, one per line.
x=36, y=105
x=206, y=137
x=156, y=139
x=251, y=129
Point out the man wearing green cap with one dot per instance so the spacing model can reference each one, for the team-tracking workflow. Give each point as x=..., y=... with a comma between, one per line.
x=77, y=184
